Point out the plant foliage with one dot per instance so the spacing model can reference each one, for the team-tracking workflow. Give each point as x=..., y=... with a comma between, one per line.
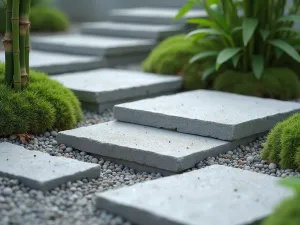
x=254, y=34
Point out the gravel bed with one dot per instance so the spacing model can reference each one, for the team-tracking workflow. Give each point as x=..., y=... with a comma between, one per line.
x=72, y=203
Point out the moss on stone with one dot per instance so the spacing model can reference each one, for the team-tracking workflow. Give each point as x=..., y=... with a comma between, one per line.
x=278, y=83
x=171, y=57
x=48, y=19
x=45, y=104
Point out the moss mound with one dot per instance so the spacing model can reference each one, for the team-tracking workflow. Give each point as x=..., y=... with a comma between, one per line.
x=283, y=144
x=278, y=83
x=45, y=104
x=47, y=19
x=42, y=18
x=171, y=57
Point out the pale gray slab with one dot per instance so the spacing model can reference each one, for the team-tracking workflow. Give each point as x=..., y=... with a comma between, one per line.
x=210, y=196
x=114, y=85
x=120, y=29
x=41, y=171
x=158, y=148
x=208, y=113
x=55, y=63
x=91, y=45
x=153, y=15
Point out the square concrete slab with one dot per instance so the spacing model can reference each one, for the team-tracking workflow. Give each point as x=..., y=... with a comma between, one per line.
x=104, y=88
x=147, y=31
x=91, y=45
x=210, y=196
x=41, y=171
x=55, y=63
x=208, y=113
x=152, y=15
x=166, y=150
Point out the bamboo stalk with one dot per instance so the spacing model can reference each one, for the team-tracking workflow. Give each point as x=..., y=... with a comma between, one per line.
x=16, y=48
x=27, y=40
x=24, y=23
x=7, y=43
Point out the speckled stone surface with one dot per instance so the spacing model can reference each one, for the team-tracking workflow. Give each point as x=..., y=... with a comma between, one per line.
x=210, y=196
x=208, y=113
x=41, y=171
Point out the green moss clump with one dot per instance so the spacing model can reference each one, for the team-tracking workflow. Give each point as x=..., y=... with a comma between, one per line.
x=47, y=19
x=44, y=105
x=171, y=57
x=283, y=144
x=278, y=83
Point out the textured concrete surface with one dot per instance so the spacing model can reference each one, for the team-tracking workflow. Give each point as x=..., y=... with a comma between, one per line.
x=41, y=171
x=152, y=15
x=208, y=113
x=213, y=195
x=55, y=63
x=158, y=148
x=113, y=85
x=91, y=45
x=157, y=32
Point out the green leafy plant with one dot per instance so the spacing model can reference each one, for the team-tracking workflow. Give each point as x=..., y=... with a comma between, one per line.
x=283, y=144
x=288, y=212
x=254, y=34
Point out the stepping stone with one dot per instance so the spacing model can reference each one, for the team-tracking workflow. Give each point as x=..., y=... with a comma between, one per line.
x=208, y=113
x=157, y=32
x=114, y=50
x=55, y=63
x=146, y=148
x=41, y=171
x=102, y=89
x=210, y=196
x=152, y=15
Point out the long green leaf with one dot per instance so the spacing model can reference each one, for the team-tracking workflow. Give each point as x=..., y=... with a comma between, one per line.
x=258, y=66
x=185, y=9
x=203, y=55
x=287, y=48
x=202, y=22
x=249, y=27
x=288, y=29
x=208, y=71
x=293, y=17
x=225, y=55
x=203, y=31
x=235, y=60
x=264, y=34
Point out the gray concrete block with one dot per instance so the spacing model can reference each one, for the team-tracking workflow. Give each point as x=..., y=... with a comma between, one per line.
x=91, y=45
x=55, y=63
x=41, y=171
x=111, y=86
x=208, y=113
x=158, y=148
x=213, y=195
x=152, y=15
x=147, y=31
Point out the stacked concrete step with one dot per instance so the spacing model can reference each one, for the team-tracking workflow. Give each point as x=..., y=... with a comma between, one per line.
x=195, y=125
x=56, y=63
x=101, y=89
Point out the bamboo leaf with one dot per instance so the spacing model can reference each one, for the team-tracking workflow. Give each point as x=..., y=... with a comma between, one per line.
x=203, y=31
x=235, y=60
x=225, y=55
x=293, y=17
x=258, y=66
x=202, y=22
x=264, y=34
x=185, y=9
x=203, y=55
x=288, y=29
x=287, y=48
x=249, y=27
x=207, y=72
